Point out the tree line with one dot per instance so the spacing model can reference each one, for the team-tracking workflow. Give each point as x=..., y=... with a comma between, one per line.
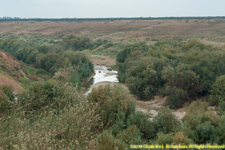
x=106, y=19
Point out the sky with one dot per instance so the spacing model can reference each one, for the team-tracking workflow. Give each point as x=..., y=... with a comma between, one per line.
x=110, y=8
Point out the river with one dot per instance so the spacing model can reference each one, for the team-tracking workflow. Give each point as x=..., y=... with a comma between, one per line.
x=103, y=75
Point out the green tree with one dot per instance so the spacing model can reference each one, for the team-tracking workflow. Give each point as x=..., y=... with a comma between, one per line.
x=112, y=100
x=218, y=91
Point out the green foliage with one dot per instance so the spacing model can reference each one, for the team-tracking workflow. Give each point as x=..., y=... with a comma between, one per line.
x=164, y=139
x=166, y=122
x=48, y=61
x=112, y=100
x=176, y=97
x=8, y=91
x=201, y=125
x=6, y=98
x=177, y=139
x=205, y=133
x=68, y=75
x=221, y=129
x=74, y=127
x=4, y=102
x=49, y=57
x=143, y=123
x=78, y=42
x=185, y=67
x=221, y=108
x=218, y=91
x=42, y=95
x=106, y=141
x=138, y=119
x=142, y=79
x=121, y=57
x=180, y=139
x=131, y=135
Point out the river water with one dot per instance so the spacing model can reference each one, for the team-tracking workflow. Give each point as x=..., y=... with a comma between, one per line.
x=103, y=75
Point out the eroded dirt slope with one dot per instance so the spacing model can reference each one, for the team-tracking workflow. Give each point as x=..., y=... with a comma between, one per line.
x=11, y=72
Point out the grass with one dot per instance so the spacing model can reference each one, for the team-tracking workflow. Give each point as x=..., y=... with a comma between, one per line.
x=26, y=82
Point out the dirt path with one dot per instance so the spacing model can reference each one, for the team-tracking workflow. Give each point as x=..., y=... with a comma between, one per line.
x=153, y=106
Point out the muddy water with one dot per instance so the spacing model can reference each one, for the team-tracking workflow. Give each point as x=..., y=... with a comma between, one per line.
x=103, y=75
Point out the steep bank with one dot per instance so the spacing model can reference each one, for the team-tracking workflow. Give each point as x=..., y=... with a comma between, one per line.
x=11, y=72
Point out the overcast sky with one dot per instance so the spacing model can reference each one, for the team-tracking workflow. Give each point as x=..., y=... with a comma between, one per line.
x=110, y=8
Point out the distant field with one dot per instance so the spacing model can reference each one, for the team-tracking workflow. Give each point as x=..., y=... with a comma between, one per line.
x=208, y=31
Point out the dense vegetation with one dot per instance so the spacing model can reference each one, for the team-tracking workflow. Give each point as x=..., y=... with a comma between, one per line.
x=52, y=115
x=55, y=114
x=182, y=71
x=52, y=57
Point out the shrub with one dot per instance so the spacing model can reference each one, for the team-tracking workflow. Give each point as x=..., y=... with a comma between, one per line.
x=205, y=133
x=142, y=80
x=166, y=122
x=180, y=139
x=164, y=139
x=106, y=141
x=200, y=124
x=189, y=82
x=218, y=91
x=176, y=97
x=4, y=102
x=221, y=129
x=34, y=77
x=143, y=123
x=45, y=95
x=131, y=135
x=8, y=91
x=75, y=127
x=111, y=100
x=68, y=75
x=177, y=139
x=221, y=108
x=78, y=42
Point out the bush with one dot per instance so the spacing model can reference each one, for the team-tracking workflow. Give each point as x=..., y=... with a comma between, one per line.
x=221, y=129
x=34, y=77
x=180, y=139
x=131, y=135
x=68, y=75
x=142, y=80
x=106, y=141
x=143, y=123
x=78, y=42
x=221, y=108
x=164, y=139
x=112, y=99
x=200, y=125
x=218, y=91
x=205, y=133
x=45, y=95
x=4, y=102
x=176, y=97
x=75, y=127
x=166, y=122
x=8, y=91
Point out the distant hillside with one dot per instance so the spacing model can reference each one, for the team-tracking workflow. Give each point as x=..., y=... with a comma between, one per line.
x=106, y=19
